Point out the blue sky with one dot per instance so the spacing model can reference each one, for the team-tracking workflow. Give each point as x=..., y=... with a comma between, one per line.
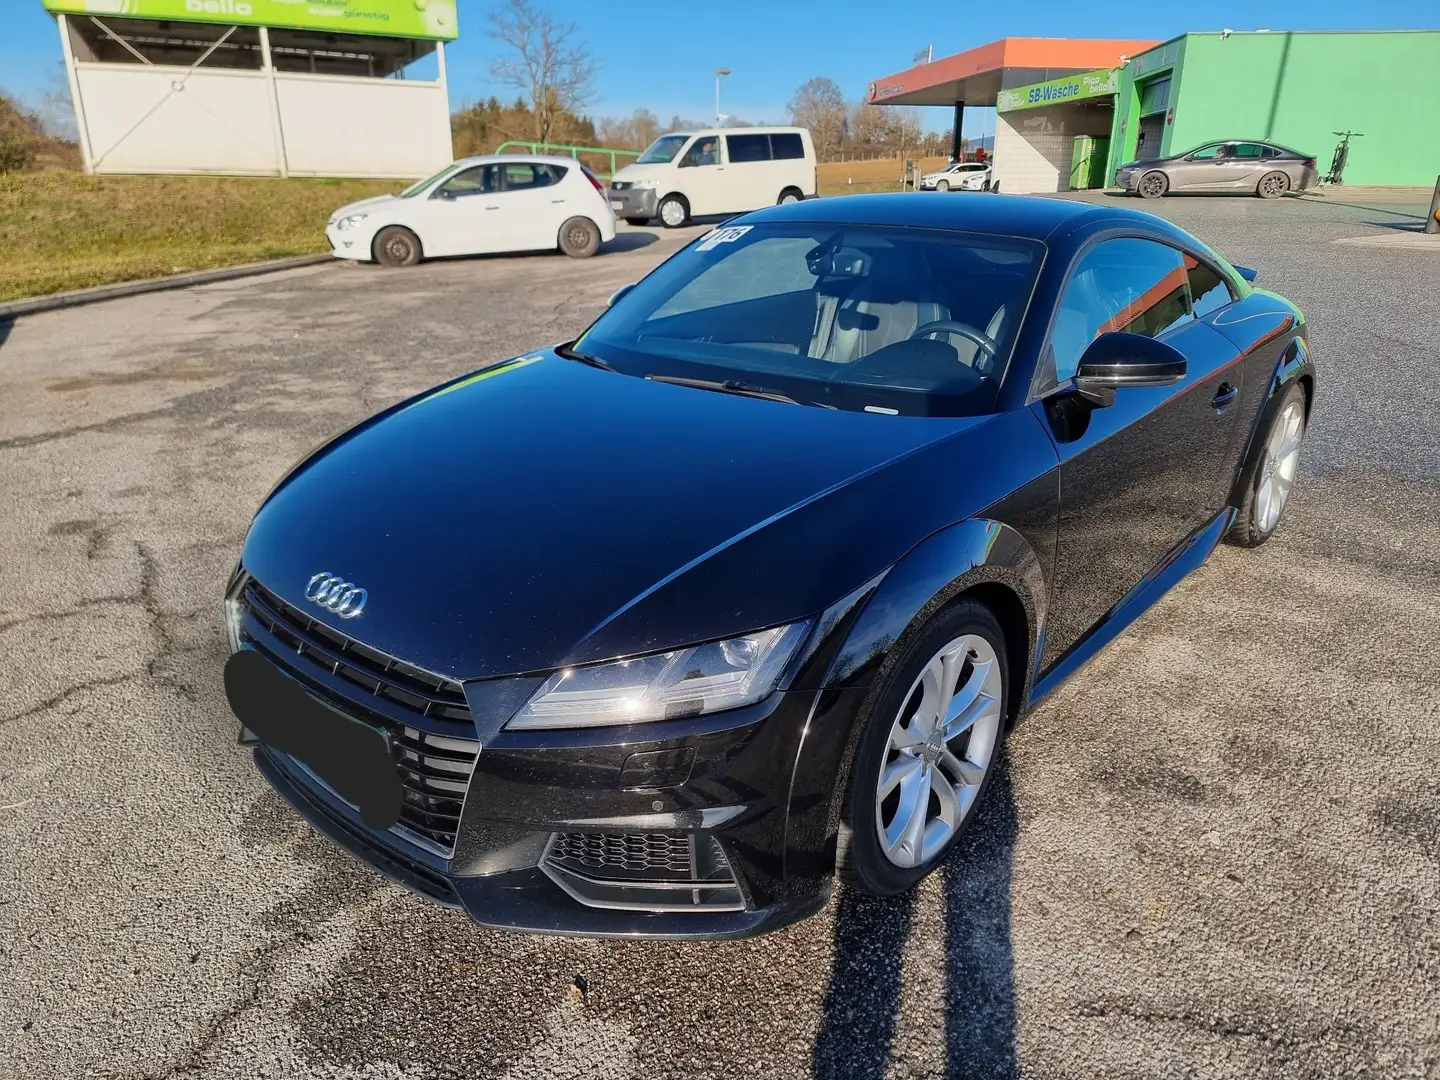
x=662, y=57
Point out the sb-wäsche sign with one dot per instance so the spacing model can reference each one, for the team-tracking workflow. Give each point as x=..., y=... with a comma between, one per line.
x=434, y=19
x=1087, y=84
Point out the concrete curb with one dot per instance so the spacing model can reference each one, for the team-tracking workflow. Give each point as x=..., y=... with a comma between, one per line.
x=17, y=308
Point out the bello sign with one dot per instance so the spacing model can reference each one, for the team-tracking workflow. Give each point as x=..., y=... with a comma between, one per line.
x=392, y=18
x=1088, y=84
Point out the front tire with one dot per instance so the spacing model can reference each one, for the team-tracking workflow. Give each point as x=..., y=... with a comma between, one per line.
x=674, y=211
x=1272, y=472
x=396, y=245
x=1153, y=185
x=579, y=238
x=1272, y=185
x=930, y=746
x=942, y=185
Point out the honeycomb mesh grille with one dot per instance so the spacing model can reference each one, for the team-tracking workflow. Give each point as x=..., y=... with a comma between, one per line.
x=661, y=855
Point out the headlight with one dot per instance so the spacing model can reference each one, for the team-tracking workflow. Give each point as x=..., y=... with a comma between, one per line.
x=665, y=686
x=648, y=185
x=232, y=614
x=350, y=221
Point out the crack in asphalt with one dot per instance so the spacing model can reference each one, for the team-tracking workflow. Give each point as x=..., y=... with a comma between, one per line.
x=56, y=699
x=117, y=423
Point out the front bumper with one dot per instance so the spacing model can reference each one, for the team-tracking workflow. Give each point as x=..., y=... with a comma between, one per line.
x=1125, y=179
x=746, y=797
x=633, y=202
x=349, y=244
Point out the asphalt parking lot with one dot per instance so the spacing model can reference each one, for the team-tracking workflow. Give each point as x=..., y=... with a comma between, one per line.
x=1215, y=853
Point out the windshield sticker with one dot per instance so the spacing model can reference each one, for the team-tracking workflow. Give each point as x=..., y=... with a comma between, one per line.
x=727, y=235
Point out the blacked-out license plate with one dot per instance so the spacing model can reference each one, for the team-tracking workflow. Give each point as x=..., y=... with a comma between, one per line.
x=352, y=757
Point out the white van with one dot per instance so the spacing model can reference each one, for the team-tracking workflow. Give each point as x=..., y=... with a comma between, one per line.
x=721, y=171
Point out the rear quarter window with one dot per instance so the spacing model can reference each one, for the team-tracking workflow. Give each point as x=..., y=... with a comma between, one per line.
x=787, y=146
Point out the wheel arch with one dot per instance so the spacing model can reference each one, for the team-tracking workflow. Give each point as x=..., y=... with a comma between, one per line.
x=1293, y=366
x=375, y=239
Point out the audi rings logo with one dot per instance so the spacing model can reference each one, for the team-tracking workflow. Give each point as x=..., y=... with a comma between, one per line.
x=335, y=594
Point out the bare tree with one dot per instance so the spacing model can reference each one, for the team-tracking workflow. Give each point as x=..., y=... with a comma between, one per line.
x=820, y=106
x=549, y=65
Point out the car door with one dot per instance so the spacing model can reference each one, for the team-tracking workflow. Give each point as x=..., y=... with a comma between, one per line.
x=458, y=218
x=1197, y=170
x=1243, y=165
x=751, y=179
x=532, y=203
x=701, y=176
x=1139, y=476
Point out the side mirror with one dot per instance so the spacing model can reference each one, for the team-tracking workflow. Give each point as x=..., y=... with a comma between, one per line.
x=1117, y=360
x=441, y=193
x=619, y=294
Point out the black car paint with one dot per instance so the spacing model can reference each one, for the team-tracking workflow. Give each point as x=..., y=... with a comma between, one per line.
x=1055, y=512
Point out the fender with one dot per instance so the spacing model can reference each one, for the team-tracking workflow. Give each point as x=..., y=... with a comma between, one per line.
x=1294, y=364
x=872, y=632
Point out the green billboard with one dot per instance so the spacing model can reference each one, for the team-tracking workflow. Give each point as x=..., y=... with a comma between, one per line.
x=391, y=18
x=1087, y=84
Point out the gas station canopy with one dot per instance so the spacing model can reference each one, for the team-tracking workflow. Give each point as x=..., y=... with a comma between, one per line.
x=976, y=76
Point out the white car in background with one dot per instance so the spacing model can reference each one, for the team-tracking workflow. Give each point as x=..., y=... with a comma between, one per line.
x=479, y=206
x=959, y=175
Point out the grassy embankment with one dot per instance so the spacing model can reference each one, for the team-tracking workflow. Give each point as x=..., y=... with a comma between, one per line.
x=62, y=230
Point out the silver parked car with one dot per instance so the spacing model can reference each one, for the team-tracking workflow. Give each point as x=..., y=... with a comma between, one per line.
x=1266, y=169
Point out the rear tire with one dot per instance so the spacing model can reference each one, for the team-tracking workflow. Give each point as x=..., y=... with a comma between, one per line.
x=1274, y=460
x=1153, y=185
x=1272, y=185
x=674, y=211
x=396, y=245
x=637, y=221
x=968, y=634
x=579, y=238
x=790, y=195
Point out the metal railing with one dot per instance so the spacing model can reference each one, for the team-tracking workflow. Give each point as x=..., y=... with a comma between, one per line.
x=572, y=151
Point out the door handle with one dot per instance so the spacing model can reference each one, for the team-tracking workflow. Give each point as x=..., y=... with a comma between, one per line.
x=492, y=208
x=1224, y=397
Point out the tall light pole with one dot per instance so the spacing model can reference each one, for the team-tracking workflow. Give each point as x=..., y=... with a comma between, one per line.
x=718, y=73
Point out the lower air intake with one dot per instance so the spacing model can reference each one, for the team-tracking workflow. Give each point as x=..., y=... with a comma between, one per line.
x=643, y=871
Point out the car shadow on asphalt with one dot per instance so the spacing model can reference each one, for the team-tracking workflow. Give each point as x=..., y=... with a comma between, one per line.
x=862, y=1002
x=6, y=325
x=631, y=240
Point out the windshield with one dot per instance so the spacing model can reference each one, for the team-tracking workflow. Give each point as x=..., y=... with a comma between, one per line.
x=859, y=317
x=662, y=150
x=420, y=185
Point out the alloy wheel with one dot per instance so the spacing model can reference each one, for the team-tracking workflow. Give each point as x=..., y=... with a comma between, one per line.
x=940, y=750
x=1274, y=186
x=1277, y=470
x=1152, y=185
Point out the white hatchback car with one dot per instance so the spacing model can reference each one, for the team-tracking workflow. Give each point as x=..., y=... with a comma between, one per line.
x=479, y=206
x=960, y=175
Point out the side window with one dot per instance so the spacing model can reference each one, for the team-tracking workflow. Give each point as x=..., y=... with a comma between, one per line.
x=787, y=146
x=1208, y=153
x=1248, y=151
x=747, y=148
x=1138, y=286
x=1208, y=290
x=523, y=175
x=477, y=180
x=703, y=151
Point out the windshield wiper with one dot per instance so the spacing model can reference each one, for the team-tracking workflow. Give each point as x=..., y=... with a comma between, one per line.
x=725, y=386
x=569, y=352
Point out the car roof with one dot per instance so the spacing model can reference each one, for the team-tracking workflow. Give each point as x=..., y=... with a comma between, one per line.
x=1009, y=215
x=547, y=159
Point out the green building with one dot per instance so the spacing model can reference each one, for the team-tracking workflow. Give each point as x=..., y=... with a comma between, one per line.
x=1293, y=88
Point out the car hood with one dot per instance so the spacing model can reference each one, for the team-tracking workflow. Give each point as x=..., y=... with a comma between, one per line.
x=370, y=205
x=630, y=173
x=541, y=512
x=1147, y=163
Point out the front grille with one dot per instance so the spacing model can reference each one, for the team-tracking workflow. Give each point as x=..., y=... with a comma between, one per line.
x=426, y=715
x=651, y=871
